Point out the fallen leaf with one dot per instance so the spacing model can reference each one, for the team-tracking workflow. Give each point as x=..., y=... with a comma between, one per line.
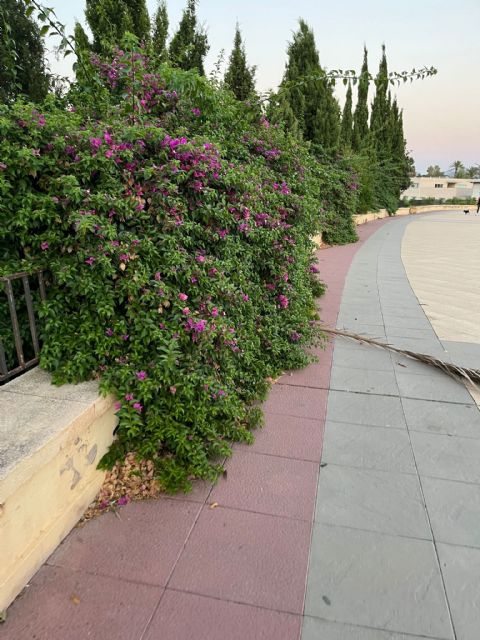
x=214, y=505
x=74, y=599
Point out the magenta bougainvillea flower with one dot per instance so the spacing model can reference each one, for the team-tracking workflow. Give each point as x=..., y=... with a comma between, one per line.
x=44, y=246
x=182, y=297
x=141, y=375
x=90, y=261
x=138, y=407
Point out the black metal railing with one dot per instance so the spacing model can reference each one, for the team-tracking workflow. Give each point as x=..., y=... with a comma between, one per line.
x=24, y=360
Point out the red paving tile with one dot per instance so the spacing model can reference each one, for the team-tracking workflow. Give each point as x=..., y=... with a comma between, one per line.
x=199, y=493
x=142, y=546
x=246, y=557
x=61, y=604
x=288, y=437
x=268, y=484
x=234, y=560
x=297, y=401
x=316, y=375
x=185, y=616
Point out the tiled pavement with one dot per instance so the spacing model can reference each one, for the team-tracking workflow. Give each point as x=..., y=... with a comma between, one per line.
x=231, y=562
x=395, y=550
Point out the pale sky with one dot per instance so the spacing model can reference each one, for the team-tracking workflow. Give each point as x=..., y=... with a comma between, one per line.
x=442, y=114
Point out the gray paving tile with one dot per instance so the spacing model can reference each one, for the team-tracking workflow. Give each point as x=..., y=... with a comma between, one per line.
x=438, y=386
x=368, y=447
x=358, y=317
x=461, y=572
x=407, y=332
x=367, y=409
x=402, y=364
x=464, y=354
x=442, y=417
x=454, y=510
x=363, y=381
x=410, y=309
x=365, y=357
x=407, y=322
x=374, y=580
x=421, y=345
x=368, y=330
x=374, y=500
x=316, y=629
x=449, y=457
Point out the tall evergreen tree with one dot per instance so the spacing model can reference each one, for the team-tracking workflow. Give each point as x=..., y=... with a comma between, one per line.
x=108, y=21
x=138, y=12
x=239, y=76
x=381, y=107
x=309, y=92
x=279, y=111
x=83, y=49
x=346, y=131
x=189, y=45
x=160, y=31
x=398, y=152
x=22, y=54
x=360, y=116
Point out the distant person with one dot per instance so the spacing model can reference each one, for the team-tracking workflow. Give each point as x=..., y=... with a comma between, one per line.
x=478, y=205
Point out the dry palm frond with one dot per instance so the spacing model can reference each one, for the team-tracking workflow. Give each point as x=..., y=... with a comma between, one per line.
x=466, y=375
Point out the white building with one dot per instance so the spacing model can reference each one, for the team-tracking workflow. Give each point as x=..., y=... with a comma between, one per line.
x=443, y=188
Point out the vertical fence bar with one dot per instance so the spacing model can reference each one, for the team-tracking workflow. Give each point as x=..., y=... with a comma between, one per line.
x=31, y=315
x=14, y=319
x=3, y=362
x=41, y=283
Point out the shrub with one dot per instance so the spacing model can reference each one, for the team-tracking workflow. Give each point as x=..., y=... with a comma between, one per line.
x=176, y=226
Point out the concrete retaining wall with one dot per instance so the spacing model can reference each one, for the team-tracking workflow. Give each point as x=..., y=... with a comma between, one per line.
x=51, y=441
x=363, y=218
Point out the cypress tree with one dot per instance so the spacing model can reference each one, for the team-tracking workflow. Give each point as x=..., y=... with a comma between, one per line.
x=138, y=12
x=239, y=76
x=360, y=116
x=83, y=49
x=400, y=158
x=279, y=111
x=160, y=31
x=346, y=131
x=309, y=92
x=381, y=107
x=108, y=21
x=189, y=45
x=22, y=55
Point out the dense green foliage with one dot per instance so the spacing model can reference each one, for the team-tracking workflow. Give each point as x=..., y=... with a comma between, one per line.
x=109, y=20
x=378, y=152
x=189, y=45
x=239, y=77
x=309, y=94
x=160, y=31
x=360, y=116
x=22, y=54
x=346, y=131
x=177, y=233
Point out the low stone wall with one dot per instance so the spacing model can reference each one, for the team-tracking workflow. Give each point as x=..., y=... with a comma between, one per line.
x=363, y=218
x=51, y=439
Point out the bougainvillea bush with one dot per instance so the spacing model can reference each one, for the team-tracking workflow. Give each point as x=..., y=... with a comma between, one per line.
x=176, y=226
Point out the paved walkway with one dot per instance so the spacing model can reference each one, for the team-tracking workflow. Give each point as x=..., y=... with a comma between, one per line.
x=396, y=539
x=231, y=562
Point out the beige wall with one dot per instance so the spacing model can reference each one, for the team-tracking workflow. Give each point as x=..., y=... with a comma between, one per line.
x=451, y=188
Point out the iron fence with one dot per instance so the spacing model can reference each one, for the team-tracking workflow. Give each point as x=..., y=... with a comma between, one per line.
x=23, y=363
